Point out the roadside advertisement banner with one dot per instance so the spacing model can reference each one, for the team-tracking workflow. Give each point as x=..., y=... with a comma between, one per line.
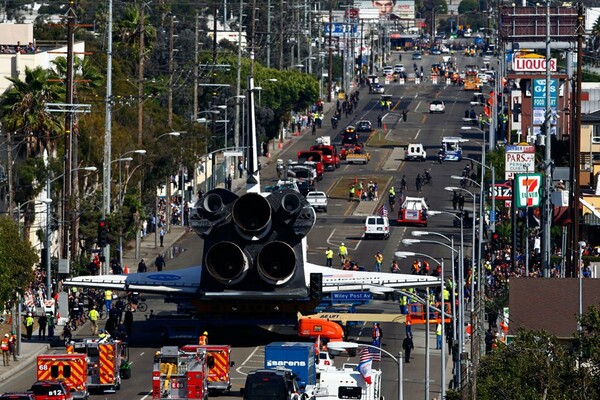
x=539, y=92
x=374, y=9
x=518, y=159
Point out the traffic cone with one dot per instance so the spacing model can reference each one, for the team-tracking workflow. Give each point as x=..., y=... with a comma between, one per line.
x=126, y=270
x=385, y=127
x=280, y=145
x=297, y=133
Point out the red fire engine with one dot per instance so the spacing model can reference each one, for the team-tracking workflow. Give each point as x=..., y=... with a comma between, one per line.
x=105, y=361
x=179, y=374
x=219, y=362
x=70, y=369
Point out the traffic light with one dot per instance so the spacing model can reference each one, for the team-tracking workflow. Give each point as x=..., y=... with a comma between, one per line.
x=495, y=241
x=102, y=233
x=253, y=244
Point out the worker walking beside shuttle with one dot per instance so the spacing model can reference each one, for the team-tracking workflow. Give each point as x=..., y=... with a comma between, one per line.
x=343, y=253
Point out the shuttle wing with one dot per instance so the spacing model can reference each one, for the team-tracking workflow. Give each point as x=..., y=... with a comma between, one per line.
x=187, y=281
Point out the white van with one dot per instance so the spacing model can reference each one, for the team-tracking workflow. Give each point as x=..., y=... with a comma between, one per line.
x=377, y=226
x=415, y=151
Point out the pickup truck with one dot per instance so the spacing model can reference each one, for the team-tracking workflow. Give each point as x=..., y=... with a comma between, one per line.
x=331, y=159
x=413, y=211
x=358, y=155
x=318, y=200
x=313, y=156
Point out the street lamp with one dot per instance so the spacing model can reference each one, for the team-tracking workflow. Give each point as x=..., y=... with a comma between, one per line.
x=172, y=134
x=461, y=293
x=225, y=107
x=47, y=202
x=408, y=242
x=340, y=346
x=442, y=313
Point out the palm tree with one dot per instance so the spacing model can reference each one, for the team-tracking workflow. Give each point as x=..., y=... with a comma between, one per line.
x=23, y=110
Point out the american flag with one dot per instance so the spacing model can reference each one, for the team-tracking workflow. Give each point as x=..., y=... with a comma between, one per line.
x=369, y=354
x=382, y=211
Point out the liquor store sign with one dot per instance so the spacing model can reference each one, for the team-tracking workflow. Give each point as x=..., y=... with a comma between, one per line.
x=532, y=63
x=528, y=190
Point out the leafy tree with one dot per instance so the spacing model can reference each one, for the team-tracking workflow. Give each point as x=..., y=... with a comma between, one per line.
x=17, y=258
x=467, y=6
x=534, y=366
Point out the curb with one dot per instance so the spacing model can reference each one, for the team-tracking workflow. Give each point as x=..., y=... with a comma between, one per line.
x=23, y=363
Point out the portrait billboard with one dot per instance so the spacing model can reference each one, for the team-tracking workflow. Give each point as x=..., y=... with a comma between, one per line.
x=374, y=9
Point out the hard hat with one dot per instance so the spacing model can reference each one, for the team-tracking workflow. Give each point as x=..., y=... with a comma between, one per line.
x=343, y=244
x=205, y=333
x=6, y=335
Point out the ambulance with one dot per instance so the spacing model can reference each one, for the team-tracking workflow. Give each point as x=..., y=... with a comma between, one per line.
x=70, y=369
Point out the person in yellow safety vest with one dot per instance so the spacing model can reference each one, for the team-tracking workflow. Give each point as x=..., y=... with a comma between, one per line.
x=343, y=253
x=329, y=257
x=103, y=336
x=438, y=337
x=108, y=295
x=388, y=104
x=29, y=326
x=446, y=295
x=403, y=304
x=203, y=339
x=5, y=350
x=94, y=315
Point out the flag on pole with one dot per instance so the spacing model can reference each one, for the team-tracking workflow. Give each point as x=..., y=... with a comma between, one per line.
x=364, y=367
x=375, y=354
x=382, y=211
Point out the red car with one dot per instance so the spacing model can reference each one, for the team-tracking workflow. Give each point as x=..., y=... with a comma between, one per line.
x=48, y=390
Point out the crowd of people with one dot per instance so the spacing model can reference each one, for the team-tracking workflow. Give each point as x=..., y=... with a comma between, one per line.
x=18, y=48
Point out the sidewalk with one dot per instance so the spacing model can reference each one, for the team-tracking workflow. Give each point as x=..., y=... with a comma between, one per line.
x=29, y=353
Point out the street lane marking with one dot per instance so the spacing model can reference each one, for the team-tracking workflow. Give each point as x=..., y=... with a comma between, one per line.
x=417, y=107
x=238, y=369
x=416, y=136
x=147, y=394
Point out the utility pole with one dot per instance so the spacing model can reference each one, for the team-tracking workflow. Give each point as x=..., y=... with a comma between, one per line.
x=140, y=141
x=196, y=61
x=253, y=47
x=170, y=89
x=238, y=88
x=547, y=159
x=68, y=162
x=330, y=54
x=281, y=36
x=107, y=131
x=268, y=40
x=575, y=138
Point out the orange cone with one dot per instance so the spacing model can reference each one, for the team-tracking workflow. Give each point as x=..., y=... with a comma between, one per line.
x=126, y=270
x=385, y=127
x=280, y=145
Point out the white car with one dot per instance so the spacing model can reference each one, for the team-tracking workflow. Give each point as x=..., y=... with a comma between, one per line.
x=437, y=106
x=483, y=78
x=388, y=70
x=398, y=68
x=377, y=226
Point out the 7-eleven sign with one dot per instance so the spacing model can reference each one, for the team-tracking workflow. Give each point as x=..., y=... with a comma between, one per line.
x=528, y=190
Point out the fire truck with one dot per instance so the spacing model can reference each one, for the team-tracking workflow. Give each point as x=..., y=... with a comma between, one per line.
x=107, y=362
x=179, y=374
x=472, y=82
x=219, y=362
x=70, y=369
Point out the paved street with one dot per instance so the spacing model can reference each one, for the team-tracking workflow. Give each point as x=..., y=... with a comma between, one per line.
x=343, y=222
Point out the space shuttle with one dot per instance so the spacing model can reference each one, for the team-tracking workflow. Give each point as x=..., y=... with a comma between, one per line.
x=254, y=255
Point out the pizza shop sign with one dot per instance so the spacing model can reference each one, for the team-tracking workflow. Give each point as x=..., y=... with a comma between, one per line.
x=532, y=63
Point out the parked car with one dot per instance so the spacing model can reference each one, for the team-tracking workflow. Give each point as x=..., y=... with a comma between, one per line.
x=364, y=126
x=417, y=55
x=437, y=106
x=377, y=226
x=318, y=200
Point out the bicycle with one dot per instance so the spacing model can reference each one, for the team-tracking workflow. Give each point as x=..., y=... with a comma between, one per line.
x=142, y=306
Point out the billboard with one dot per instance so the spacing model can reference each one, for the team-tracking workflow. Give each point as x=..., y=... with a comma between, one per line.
x=539, y=92
x=528, y=190
x=518, y=159
x=374, y=9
